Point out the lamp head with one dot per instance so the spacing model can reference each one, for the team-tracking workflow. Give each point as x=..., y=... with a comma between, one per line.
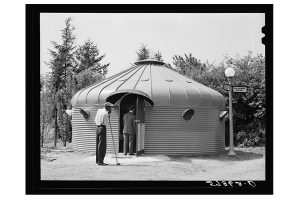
x=229, y=72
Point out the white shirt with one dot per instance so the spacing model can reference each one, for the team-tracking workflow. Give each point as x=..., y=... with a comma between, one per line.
x=102, y=117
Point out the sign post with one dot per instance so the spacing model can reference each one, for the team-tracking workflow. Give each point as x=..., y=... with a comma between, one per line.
x=231, y=150
x=229, y=72
x=230, y=89
x=226, y=87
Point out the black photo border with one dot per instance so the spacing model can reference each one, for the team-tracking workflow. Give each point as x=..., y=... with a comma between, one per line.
x=34, y=184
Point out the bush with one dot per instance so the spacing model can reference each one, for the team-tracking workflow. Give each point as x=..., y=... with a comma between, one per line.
x=251, y=139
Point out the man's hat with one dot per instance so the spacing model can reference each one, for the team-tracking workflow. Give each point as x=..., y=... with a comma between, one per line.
x=131, y=107
x=107, y=104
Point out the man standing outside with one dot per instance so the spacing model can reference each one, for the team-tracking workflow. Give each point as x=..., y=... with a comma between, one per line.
x=129, y=131
x=102, y=122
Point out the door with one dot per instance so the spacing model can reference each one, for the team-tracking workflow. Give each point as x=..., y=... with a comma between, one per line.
x=140, y=125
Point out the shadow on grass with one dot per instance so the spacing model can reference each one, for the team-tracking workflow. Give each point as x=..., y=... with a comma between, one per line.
x=240, y=156
x=46, y=158
x=126, y=165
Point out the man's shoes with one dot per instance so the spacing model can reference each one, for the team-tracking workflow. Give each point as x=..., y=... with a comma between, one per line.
x=131, y=154
x=103, y=164
x=125, y=154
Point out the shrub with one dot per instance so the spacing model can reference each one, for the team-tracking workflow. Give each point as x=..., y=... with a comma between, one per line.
x=250, y=139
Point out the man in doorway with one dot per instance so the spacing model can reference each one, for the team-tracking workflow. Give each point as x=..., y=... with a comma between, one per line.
x=129, y=131
x=102, y=121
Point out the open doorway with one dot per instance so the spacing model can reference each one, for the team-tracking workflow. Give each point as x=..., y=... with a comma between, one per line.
x=122, y=100
x=130, y=99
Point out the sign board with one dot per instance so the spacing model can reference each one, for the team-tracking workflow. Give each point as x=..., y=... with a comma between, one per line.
x=226, y=87
x=239, y=89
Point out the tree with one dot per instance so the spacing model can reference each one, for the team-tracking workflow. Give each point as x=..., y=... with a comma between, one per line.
x=89, y=70
x=45, y=107
x=250, y=71
x=62, y=64
x=86, y=78
x=63, y=120
x=168, y=65
x=248, y=108
x=88, y=57
x=143, y=53
x=188, y=65
x=42, y=82
x=71, y=70
x=158, y=56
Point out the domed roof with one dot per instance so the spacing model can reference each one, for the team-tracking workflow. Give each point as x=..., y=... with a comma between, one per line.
x=151, y=79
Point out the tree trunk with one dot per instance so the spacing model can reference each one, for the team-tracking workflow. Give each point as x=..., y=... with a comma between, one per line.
x=259, y=125
x=55, y=128
x=42, y=137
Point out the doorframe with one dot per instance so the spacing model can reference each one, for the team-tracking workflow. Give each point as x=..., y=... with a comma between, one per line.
x=138, y=94
x=137, y=115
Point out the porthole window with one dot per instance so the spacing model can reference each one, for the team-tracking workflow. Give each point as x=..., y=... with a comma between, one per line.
x=188, y=114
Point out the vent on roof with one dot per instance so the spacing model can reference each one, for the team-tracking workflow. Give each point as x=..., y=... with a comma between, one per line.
x=189, y=81
x=122, y=79
x=145, y=79
x=169, y=80
x=149, y=62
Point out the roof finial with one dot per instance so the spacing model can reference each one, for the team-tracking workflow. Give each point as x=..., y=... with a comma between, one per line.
x=149, y=62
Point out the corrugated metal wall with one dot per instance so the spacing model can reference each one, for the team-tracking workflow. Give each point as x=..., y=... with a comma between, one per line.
x=168, y=133
x=84, y=131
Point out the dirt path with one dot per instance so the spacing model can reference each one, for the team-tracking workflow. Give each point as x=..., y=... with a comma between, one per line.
x=249, y=164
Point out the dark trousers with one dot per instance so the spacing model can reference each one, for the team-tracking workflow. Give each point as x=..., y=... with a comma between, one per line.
x=100, y=143
x=128, y=142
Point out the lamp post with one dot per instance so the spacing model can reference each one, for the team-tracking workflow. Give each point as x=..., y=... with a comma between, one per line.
x=229, y=72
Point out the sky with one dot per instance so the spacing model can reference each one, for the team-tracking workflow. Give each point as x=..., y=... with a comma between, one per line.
x=208, y=36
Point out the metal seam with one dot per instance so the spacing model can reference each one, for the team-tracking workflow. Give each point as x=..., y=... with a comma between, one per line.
x=114, y=81
x=199, y=92
x=140, y=77
x=167, y=87
x=105, y=81
x=139, y=67
x=187, y=96
x=97, y=84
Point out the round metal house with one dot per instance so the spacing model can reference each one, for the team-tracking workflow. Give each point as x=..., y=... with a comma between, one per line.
x=174, y=114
